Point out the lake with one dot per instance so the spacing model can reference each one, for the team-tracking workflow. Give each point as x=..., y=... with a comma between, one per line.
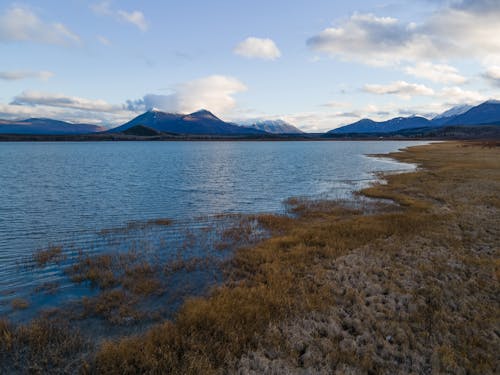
x=74, y=194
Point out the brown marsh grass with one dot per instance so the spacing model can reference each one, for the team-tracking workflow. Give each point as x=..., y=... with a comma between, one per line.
x=40, y=347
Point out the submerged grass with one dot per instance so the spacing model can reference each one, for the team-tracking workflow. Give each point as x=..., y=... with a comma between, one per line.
x=52, y=254
x=337, y=288
x=136, y=225
x=19, y=304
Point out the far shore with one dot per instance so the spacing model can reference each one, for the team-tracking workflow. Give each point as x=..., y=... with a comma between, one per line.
x=476, y=132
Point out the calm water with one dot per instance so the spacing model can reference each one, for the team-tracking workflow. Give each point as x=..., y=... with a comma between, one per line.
x=65, y=193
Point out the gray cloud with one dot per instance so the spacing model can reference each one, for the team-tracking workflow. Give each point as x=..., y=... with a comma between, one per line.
x=19, y=75
x=492, y=75
x=465, y=29
x=348, y=114
x=36, y=98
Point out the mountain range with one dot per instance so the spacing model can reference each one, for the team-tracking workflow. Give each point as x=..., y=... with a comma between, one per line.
x=204, y=122
x=46, y=126
x=275, y=127
x=200, y=122
x=482, y=114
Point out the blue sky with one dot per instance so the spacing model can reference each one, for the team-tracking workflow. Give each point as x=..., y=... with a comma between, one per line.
x=317, y=64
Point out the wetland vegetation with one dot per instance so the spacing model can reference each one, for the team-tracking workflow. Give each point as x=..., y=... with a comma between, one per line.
x=407, y=283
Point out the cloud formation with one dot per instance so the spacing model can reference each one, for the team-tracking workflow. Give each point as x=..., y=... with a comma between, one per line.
x=22, y=24
x=134, y=17
x=65, y=107
x=103, y=40
x=457, y=95
x=440, y=73
x=18, y=112
x=19, y=75
x=448, y=95
x=214, y=93
x=465, y=29
x=258, y=48
x=401, y=88
x=36, y=98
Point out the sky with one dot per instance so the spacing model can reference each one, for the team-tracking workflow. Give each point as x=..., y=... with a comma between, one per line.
x=317, y=64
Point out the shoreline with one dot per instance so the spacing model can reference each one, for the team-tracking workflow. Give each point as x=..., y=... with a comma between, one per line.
x=476, y=132
x=339, y=289
x=78, y=139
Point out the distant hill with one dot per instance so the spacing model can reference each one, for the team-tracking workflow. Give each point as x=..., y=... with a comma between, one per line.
x=142, y=131
x=275, y=127
x=46, y=126
x=200, y=122
x=393, y=125
x=482, y=114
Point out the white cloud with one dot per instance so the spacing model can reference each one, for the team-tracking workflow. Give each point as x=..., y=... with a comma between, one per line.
x=440, y=73
x=22, y=24
x=456, y=95
x=447, y=95
x=401, y=88
x=312, y=122
x=103, y=40
x=258, y=48
x=36, y=98
x=18, y=75
x=134, y=17
x=461, y=29
x=102, y=9
x=214, y=93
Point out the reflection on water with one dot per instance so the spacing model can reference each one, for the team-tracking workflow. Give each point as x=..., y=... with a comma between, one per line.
x=105, y=197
